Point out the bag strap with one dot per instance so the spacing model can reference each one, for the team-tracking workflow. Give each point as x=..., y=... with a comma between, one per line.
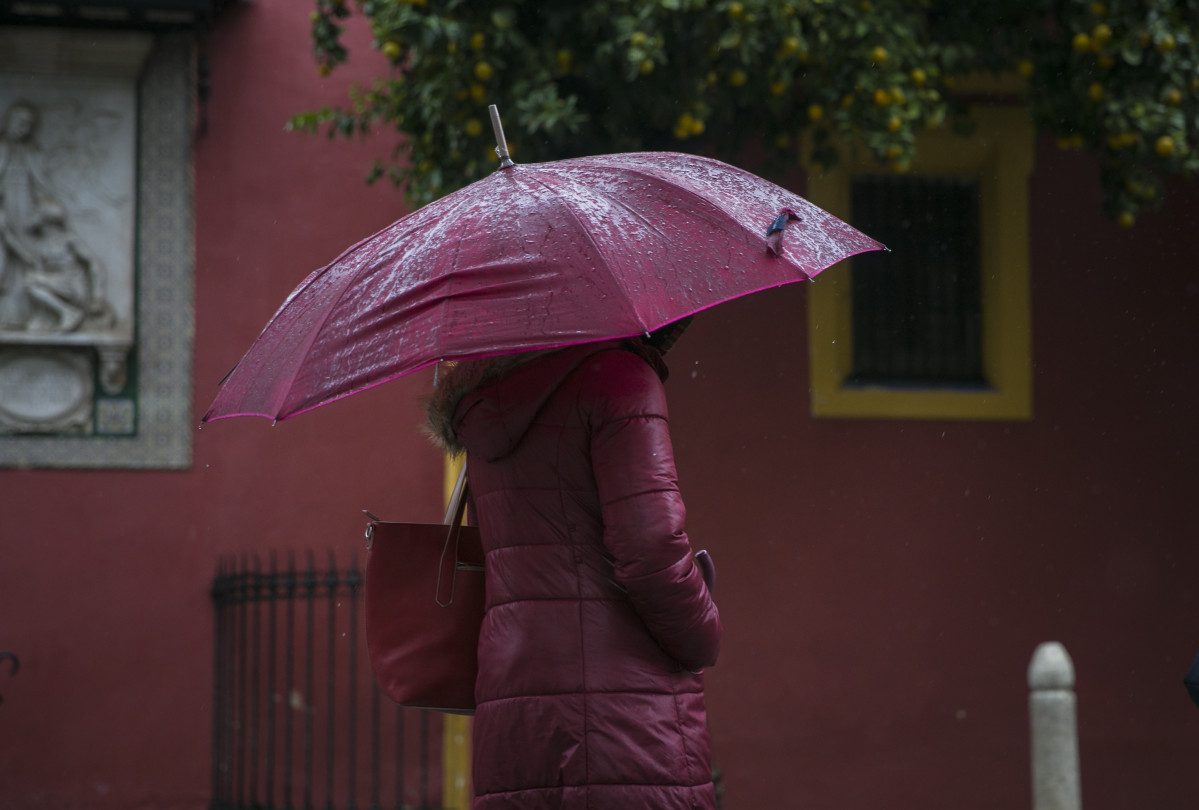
x=453, y=517
x=457, y=505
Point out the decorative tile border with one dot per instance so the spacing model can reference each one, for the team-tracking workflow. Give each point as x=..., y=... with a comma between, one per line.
x=155, y=429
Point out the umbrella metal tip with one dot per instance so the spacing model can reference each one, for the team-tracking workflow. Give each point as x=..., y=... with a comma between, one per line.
x=501, y=144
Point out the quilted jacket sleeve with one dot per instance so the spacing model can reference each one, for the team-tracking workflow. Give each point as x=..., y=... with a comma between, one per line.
x=643, y=513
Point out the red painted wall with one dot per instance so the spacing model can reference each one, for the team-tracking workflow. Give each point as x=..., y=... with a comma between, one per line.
x=883, y=583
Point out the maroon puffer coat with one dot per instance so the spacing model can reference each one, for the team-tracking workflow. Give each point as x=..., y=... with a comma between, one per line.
x=598, y=619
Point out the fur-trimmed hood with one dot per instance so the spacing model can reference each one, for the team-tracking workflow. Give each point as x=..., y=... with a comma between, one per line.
x=454, y=381
x=512, y=388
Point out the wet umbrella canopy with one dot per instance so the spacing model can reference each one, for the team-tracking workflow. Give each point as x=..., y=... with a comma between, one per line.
x=533, y=257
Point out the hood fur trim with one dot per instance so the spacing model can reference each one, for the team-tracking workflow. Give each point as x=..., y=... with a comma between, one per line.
x=456, y=379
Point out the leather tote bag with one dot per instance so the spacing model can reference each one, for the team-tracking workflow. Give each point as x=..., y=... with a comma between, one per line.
x=424, y=605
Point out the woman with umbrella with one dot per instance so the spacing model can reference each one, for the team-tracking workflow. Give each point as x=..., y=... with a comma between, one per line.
x=599, y=620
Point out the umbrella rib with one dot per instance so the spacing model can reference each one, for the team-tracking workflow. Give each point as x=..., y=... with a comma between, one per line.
x=367, y=244
x=696, y=196
x=590, y=239
x=649, y=223
x=420, y=224
x=759, y=235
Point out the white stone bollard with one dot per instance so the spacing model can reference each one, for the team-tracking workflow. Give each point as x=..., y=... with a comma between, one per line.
x=1051, y=705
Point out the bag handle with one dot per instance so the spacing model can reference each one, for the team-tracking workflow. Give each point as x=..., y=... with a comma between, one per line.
x=457, y=505
x=453, y=517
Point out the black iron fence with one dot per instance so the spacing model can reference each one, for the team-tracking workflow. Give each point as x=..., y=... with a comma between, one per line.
x=298, y=721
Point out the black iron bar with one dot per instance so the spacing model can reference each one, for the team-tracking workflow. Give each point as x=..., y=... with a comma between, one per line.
x=272, y=683
x=352, y=583
x=255, y=582
x=330, y=685
x=290, y=583
x=310, y=584
x=375, y=761
x=240, y=688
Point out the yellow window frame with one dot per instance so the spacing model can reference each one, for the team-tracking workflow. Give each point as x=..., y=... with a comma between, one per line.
x=1000, y=156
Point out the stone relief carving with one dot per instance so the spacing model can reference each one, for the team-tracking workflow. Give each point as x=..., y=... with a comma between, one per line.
x=115, y=119
x=66, y=258
x=43, y=391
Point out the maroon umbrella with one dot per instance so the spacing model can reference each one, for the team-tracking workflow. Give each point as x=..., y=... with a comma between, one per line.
x=533, y=257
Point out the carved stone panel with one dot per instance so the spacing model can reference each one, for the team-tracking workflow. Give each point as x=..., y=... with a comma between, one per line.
x=96, y=248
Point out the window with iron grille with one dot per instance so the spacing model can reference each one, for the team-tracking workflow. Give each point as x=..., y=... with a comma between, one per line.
x=942, y=324
x=917, y=310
